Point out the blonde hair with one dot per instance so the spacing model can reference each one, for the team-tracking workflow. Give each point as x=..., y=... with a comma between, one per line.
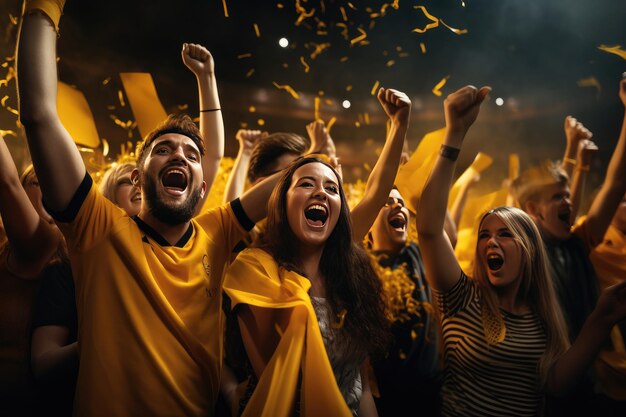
x=527, y=187
x=111, y=177
x=536, y=288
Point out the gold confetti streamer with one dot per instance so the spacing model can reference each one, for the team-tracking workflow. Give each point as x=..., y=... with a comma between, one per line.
x=4, y=101
x=349, y=88
x=590, y=82
x=617, y=50
x=350, y=5
x=457, y=31
x=403, y=54
x=390, y=63
x=105, y=147
x=359, y=38
x=13, y=19
x=439, y=85
x=279, y=5
x=249, y=73
x=261, y=122
x=256, y=30
x=120, y=96
x=288, y=89
x=434, y=21
x=12, y=110
x=183, y=107
x=343, y=59
x=316, y=107
x=330, y=123
x=106, y=81
x=246, y=55
x=319, y=48
x=423, y=47
x=306, y=66
x=366, y=118
x=225, y=8
x=343, y=13
x=252, y=109
x=7, y=133
x=375, y=88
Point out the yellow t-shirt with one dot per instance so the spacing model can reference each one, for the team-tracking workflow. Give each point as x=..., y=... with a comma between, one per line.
x=149, y=315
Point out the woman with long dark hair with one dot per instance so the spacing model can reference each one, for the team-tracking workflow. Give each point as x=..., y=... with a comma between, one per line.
x=308, y=303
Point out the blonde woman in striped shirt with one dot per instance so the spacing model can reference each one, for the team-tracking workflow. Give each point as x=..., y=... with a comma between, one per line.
x=504, y=335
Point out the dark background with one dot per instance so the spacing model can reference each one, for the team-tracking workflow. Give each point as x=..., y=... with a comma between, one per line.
x=532, y=53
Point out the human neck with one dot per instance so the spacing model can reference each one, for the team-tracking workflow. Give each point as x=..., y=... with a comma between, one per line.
x=386, y=247
x=310, y=258
x=509, y=300
x=171, y=233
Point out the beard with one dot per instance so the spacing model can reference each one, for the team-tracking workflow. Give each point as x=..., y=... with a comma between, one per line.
x=166, y=213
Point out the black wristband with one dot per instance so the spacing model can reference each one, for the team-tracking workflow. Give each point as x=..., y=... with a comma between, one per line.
x=449, y=152
x=209, y=110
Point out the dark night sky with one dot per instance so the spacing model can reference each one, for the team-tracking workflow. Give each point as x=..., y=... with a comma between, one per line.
x=531, y=52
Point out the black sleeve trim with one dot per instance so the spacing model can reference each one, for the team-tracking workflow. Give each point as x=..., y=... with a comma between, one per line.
x=69, y=213
x=241, y=215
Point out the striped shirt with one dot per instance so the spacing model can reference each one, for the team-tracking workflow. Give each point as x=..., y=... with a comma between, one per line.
x=482, y=379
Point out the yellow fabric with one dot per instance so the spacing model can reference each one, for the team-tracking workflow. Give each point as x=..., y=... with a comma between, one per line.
x=609, y=261
x=256, y=280
x=52, y=8
x=144, y=101
x=150, y=320
x=481, y=162
x=412, y=176
x=76, y=116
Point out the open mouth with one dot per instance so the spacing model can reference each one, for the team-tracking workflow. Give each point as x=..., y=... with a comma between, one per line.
x=398, y=222
x=136, y=198
x=494, y=262
x=174, y=179
x=316, y=215
x=565, y=217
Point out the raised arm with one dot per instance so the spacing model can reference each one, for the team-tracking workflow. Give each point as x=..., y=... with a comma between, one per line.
x=573, y=364
x=398, y=108
x=58, y=163
x=237, y=178
x=254, y=201
x=33, y=239
x=586, y=150
x=574, y=133
x=614, y=186
x=199, y=61
x=442, y=268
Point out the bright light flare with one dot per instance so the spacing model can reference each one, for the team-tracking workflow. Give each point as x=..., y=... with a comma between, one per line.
x=499, y=101
x=283, y=42
x=346, y=104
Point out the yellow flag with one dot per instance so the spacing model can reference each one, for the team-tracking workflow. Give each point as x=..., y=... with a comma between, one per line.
x=76, y=116
x=144, y=101
x=481, y=163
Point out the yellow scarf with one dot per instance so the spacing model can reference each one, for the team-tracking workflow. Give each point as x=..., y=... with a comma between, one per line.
x=256, y=279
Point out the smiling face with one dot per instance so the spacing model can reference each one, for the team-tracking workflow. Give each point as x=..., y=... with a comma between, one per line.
x=390, y=229
x=171, y=178
x=499, y=253
x=127, y=196
x=552, y=210
x=313, y=204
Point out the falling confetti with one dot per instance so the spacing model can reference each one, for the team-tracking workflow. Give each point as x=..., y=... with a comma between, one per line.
x=617, y=50
x=256, y=30
x=288, y=89
x=423, y=47
x=306, y=66
x=225, y=8
x=436, y=89
x=359, y=38
x=246, y=55
x=457, y=31
x=319, y=48
x=434, y=21
x=330, y=124
x=120, y=96
x=590, y=82
x=252, y=109
x=375, y=88
x=249, y=73
x=316, y=107
x=390, y=63
x=261, y=122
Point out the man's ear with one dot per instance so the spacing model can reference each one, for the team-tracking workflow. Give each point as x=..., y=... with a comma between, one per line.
x=134, y=177
x=532, y=207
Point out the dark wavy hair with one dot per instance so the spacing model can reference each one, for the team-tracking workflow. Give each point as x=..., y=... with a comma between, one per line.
x=350, y=280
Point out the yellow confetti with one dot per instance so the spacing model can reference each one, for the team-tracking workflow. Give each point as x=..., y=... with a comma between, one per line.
x=590, y=82
x=423, y=47
x=319, y=48
x=375, y=88
x=225, y=8
x=434, y=21
x=323, y=6
x=106, y=81
x=343, y=59
x=261, y=122
x=343, y=13
x=249, y=73
x=366, y=118
x=390, y=63
x=12, y=110
x=457, y=31
x=359, y=38
x=243, y=125
x=288, y=89
x=350, y=5
x=436, y=89
x=256, y=30
x=330, y=123
x=306, y=66
x=279, y=5
x=357, y=124
x=246, y=55
x=320, y=93
x=403, y=54
x=349, y=88
x=120, y=96
x=183, y=107
x=344, y=32
x=7, y=133
x=617, y=50
x=285, y=65
x=302, y=13
x=251, y=109
x=3, y=102
x=329, y=102
x=316, y=107
x=105, y=147
x=13, y=19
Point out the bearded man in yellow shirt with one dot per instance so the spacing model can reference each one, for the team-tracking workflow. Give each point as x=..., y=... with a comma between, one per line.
x=148, y=287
